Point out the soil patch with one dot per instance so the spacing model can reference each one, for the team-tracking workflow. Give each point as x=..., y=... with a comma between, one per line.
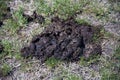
x=64, y=40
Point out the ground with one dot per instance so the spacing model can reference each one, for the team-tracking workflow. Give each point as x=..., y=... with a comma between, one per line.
x=17, y=31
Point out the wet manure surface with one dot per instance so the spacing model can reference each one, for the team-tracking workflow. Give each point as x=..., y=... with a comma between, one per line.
x=65, y=40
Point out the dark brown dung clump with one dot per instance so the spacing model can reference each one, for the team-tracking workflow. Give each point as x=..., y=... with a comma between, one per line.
x=64, y=40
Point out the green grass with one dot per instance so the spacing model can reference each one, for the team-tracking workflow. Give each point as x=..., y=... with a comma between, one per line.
x=112, y=67
x=73, y=77
x=69, y=77
x=82, y=21
x=105, y=33
x=108, y=74
x=42, y=7
x=5, y=69
x=66, y=75
x=61, y=8
x=11, y=49
x=96, y=37
x=18, y=17
x=7, y=48
x=11, y=26
x=15, y=23
x=18, y=56
x=117, y=52
x=64, y=9
x=102, y=34
x=52, y=62
x=88, y=61
x=116, y=7
x=67, y=8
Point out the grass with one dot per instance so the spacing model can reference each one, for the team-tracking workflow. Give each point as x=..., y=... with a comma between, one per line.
x=61, y=8
x=82, y=21
x=73, y=77
x=105, y=33
x=67, y=8
x=116, y=7
x=96, y=37
x=108, y=74
x=11, y=49
x=18, y=56
x=64, y=9
x=97, y=10
x=88, y=61
x=10, y=26
x=5, y=69
x=7, y=48
x=66, y=75
x=102, y=34
x=42, y=7
x=13, y=24
x=18, y=17
x=69, y=77
x=52, y=62
x=112, y=67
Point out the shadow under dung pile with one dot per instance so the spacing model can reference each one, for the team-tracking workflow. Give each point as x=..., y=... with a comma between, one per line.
x=64, y=40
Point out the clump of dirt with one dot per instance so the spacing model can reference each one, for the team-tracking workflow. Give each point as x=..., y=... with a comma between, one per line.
x=64, y=40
